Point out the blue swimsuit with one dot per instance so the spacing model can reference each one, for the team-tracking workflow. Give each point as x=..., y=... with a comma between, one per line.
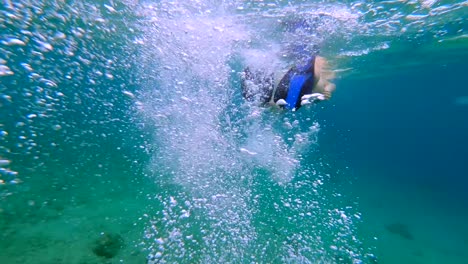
x=297, y=82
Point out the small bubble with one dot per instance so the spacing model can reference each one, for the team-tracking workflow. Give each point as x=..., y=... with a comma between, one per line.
x=44, y=46
x=48, y=83
x=129, y=94
x=110, y=8
x=5, y=71
x=60, y=35
x=15, y=181
x=13, y=42
x=27, y=66
x=4, y=162
x=7, y=97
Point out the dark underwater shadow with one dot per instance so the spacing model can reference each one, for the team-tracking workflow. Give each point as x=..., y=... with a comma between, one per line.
x=400, y=229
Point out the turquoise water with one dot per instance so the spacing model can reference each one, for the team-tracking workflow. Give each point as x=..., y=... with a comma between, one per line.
x=124, y=136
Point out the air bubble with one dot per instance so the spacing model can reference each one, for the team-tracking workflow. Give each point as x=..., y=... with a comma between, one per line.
x=60, y=35
x=4, y=162
x=110, y=8
x=13, y=42
x=48, y=83
x=129, y=94
x=7, y=97
x=5, y=71
x=27, y=66
x=44, y=46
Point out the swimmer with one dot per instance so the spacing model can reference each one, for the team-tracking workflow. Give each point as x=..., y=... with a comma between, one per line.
x=301, y=85
x=308, y=81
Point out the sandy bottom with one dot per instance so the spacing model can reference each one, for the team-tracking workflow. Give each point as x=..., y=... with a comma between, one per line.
x=400, y=224
x=70, y=235
x=412, y=224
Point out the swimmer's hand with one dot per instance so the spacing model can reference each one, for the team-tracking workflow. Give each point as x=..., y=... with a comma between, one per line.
x=311, y=98
x=281, y=102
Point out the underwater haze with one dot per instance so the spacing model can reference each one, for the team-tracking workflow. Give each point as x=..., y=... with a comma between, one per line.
x=124, y=137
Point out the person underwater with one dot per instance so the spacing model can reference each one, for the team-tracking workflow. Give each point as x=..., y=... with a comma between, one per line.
x=301, y=85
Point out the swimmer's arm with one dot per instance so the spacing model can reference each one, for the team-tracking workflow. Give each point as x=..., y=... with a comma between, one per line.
x=323, y=76
x=323, y=69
